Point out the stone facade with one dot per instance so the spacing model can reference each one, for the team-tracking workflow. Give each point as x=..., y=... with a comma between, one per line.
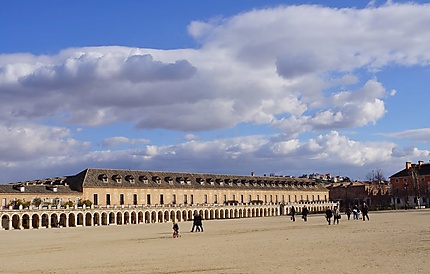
x=133, y=197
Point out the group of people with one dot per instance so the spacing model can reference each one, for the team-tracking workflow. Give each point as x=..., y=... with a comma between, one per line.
x=305, y=213
x=334, y=213
x=197, y=225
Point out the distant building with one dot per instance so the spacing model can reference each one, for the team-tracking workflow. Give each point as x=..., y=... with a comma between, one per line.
x=410, y=186
x=111, y=196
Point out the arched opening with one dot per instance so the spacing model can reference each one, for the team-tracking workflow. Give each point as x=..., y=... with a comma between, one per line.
x=45, y=220
x=178, y=216
x=111, y=218
x=54, y=220
x=166, y=216
x=80, y=219
x=35, y=221
x=126, y=218
x=184, y=215
x=119, y=218
x=88, y=219
x=63, y=220
x=105, y=218
x=140, y=218
x=207, y=215
x=173, y=216
x=160, y=217
x=133, y=218
x=147, y=217
x=5, y=222
x=72, y=220
x=26, y=221
x=16, y=221
x=96, y=219
x=153, y=217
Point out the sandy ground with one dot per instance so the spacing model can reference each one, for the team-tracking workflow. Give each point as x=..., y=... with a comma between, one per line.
x=391, y=242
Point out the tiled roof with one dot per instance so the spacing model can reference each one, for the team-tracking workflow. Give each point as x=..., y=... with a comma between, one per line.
x=41, y=189
x=160, y=179
x=423, y=169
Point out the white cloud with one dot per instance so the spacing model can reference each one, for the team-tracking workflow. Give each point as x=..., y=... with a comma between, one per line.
x=420, y=135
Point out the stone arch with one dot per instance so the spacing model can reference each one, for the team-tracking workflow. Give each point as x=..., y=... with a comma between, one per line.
x=35, y=221
x=126, y=218
x=227, y=214
x=72, y=219
x=63, y=219
x=133, y=217
x=153, y=216
x=105, y=218
x=217, y=215
x=178, y=216
x=16, y=221
x=80, y=219
x=45, y=220
x=160, y=216
x=206, y=214
x=111, y=218
x=119, y=218
x=184, y=215
x=140, y=217
x=5, y=221
x=88, y=219
x=166, y=216
x=147, y=217
x=96, y=219
x=26, y=221
x=54, y=220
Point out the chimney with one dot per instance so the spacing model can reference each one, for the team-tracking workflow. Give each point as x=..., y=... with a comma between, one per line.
x=252, y=173
x=408, y=165
x=420, y=163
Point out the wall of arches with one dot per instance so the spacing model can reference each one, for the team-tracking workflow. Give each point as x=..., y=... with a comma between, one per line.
x=80, y=217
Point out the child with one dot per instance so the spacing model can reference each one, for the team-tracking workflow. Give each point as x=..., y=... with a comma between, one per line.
x=176, y=230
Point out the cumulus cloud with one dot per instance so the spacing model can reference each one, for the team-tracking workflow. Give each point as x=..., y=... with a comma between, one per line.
x=296, y=69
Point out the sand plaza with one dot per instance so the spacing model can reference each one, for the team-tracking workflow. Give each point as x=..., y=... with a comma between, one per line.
x=392, y=241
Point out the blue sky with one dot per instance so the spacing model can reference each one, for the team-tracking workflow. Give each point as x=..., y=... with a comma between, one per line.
x=232, y=87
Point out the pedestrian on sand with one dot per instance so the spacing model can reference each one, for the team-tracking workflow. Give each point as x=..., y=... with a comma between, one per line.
x=199, y=223
x=293, y=214
x=195, y=221
x=365, y=211
x=336, y=215
x=305, y=212
x=355, y=212
x=328, y=215
x=175, y=230
x=348, y=212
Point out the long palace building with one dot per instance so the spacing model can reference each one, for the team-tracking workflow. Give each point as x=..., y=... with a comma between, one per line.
x=116, y=197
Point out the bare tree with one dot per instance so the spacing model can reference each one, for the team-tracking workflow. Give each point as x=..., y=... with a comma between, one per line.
x=375, y=176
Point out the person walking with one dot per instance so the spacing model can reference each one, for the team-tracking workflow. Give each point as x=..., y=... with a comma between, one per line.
x=293, y=214
x=305, y=212
x=348, y=212
x=199, y=224
x=355, y=212
x=336, y=215
x=328, y=215
x=365, y=212
x=195, y=221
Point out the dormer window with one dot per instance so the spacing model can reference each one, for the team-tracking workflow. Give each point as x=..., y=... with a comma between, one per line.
x=188, y=181
x=103, y=178
x=229, y=182
x=210, y=181
x=21, y=188
x=220, y=182
x=156, y=179
x=130, y=179
x=180, y=180
x=169, y=180
x=117, y=178
x=52, y=188
x=200, y=181
x=143, y=179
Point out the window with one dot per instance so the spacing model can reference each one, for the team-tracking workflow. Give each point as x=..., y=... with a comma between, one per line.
x=249, y=198
x=215, y=199
x=225, y=199
x=107, y=199
x=185, y=199
x=161, y=199
x=241, y=199
x=134, y=199
x=192, y=199
x=271, y=199
x=205, y=199
x=283, y=198
x=234, y=197
x=96, y=199
x=121, y=199
x=148, y=199
x=174, y=199
x=295, y=198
